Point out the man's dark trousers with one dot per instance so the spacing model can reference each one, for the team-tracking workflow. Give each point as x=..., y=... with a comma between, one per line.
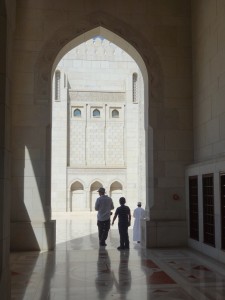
x=103, y=229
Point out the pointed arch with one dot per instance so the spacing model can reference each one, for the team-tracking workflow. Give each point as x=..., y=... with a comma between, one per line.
x=124, y=36
x=77, y=185
x=116, y=191
x=116, y=185
x=77, y=113
x=99, y=23
x=94, y=186
x=96, y=113
x=115, y=113
x=77, y=197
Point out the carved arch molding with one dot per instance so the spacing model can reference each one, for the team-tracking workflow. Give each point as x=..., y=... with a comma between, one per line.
x=64, y=35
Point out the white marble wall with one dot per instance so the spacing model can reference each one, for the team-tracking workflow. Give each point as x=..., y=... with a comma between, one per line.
x=97, y=141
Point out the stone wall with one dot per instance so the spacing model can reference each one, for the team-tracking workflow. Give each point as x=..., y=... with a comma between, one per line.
x=208, y=29
x=7, y=21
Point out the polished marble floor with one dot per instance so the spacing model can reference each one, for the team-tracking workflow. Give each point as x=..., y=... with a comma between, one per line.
x=79, y=269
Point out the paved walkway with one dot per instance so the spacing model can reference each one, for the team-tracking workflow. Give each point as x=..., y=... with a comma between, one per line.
x=79, y=269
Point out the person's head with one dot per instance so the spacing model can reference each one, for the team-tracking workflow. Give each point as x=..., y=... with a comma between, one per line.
x=101, y=191
x=139, y=204
x=122, y=200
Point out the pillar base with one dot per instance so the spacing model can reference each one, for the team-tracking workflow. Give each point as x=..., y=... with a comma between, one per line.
x=165, y=233
x=33, y=236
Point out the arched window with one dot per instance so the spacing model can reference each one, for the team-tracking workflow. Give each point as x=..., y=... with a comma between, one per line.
x=115, y=113
x=77, y=186
x=77, y=113
x=77, y=197
x=134, y=79
x=96, y=113
x=57, y=85
x=65, y=80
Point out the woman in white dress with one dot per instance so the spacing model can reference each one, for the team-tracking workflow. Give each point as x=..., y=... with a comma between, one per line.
x=139, y=213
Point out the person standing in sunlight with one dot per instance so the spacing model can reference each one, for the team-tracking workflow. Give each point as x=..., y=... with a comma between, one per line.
x=139, y=213
x=124, y=215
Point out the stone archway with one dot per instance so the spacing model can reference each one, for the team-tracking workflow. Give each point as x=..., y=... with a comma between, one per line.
x=75, y=146
x=126, y=38
x=84, y=28
x=140, y=49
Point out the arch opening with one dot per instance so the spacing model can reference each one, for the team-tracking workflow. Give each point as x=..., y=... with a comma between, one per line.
x=100, y=35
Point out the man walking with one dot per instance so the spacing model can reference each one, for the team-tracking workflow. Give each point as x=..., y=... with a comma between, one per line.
x=103, y=205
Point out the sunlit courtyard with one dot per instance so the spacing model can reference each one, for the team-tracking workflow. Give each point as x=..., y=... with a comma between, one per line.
x=79, y=231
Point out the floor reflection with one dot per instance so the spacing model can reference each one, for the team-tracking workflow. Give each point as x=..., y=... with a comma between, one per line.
x=104, y=280
x=123, y=280
x=79, y=269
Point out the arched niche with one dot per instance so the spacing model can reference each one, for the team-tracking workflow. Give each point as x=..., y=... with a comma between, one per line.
x=116, y=185
x=77, y=186
x=94, y=193
x=77, y=197
x=116, y=191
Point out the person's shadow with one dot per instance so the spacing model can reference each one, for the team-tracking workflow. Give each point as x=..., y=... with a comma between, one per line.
x=104, y=279
x=123, y=284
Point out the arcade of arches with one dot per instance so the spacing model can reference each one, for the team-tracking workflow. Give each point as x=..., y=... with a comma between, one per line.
x=179, y=48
